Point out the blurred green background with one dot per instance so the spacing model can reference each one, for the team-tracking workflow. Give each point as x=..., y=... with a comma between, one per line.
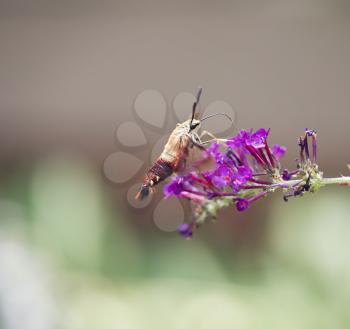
x=69, y=258
x=74, y=255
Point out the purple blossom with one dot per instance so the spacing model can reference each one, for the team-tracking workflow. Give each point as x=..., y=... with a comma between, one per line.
x=239, y=140
x=246, y=154
x=245, y=169
x=278, y=151
x=175, y=187
x=225, y=173
x=214, y=151
x=310, y=132
x=244, y=174
x=185, y=230
x=242, y=204
x=258, y=139
x=286, y=175
x=304, y=146
x=219, y=181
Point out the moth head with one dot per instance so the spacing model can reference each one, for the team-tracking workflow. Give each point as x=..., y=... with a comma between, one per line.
x=195, y=123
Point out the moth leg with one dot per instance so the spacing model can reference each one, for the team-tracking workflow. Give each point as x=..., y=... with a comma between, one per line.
x=213, y=138
x=207, y=162
x=198, y=143
x=195, y=138
x=207, y=133
x=195, y=141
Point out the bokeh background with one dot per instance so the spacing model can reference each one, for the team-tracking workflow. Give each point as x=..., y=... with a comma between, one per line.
x=74, y=254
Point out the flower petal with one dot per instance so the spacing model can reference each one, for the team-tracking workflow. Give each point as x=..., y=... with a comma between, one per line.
x=278, y=151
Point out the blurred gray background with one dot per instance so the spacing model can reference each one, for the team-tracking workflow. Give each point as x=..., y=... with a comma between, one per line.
x=70, y=70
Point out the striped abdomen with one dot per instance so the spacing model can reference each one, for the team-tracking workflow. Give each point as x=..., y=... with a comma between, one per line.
x=171, y=159
x=157, y=173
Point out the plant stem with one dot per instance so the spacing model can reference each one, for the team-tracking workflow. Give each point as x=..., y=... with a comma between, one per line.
x=336, y=180
x=325, y=181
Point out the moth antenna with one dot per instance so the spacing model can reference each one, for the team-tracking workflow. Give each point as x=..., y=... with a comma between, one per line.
x=194, y=107
x=216, y=114
x=199, y=93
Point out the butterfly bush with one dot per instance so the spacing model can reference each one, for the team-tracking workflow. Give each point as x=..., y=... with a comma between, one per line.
x=246, y=169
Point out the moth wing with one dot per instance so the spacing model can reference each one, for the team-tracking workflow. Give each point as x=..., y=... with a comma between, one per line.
x=198, y=160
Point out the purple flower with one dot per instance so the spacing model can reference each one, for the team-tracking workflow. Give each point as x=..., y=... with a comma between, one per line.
x=221, y=176
x=244, y=173
x=242, y=204
x=219, y=181
x=286, y=175
x=175, y=187
x=239, y=140
x=310, y=132
x=278, y=151
x=239, y=166
x=185, y=230
x=258, y=139
x=224, y=170
x=214, y=151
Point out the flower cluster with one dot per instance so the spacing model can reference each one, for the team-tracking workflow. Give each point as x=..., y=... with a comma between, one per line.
x=245, y=169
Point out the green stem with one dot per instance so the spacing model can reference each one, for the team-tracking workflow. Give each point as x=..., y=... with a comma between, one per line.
x=336, y=180
x=324, y=181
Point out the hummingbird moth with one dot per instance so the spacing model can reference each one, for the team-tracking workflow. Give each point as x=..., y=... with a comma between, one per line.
x=176, y=150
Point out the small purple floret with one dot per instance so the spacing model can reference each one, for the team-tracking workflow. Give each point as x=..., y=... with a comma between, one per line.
x=258, y=139
x=278, y=151
x=175, y=187
x=286, y=175
x=242, y=204
x=214, y=151
x=185, y=230
x=244, y=173
x=239, y=140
